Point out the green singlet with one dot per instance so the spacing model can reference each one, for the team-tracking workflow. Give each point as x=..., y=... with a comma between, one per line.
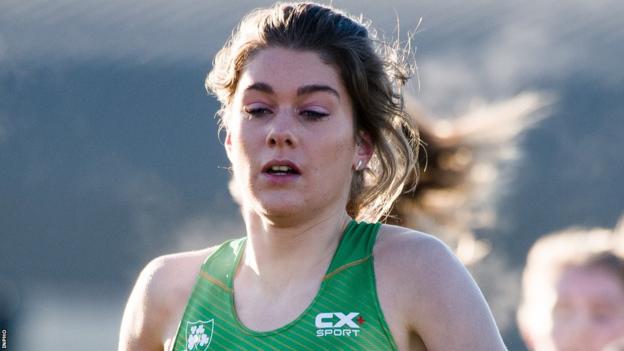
x=344, y=315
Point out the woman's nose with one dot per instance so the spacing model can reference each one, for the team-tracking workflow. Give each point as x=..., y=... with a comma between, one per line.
x=282, y=131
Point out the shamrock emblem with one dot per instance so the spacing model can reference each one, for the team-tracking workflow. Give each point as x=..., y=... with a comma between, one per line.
x=199, y=335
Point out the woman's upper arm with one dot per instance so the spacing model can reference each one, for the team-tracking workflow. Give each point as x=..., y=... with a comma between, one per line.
x=444, y=305
x=144, y=316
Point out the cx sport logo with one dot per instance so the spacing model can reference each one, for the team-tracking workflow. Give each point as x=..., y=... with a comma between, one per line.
x=338, y=324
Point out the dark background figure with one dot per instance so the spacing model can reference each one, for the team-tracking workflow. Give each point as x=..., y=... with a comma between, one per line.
x=108, y=146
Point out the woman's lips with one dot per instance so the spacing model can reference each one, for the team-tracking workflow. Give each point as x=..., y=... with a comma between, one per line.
x=281, y=166
x=280, y=172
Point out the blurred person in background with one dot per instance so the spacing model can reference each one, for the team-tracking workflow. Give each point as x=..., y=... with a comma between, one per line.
x=573, y=291
x=320, y=147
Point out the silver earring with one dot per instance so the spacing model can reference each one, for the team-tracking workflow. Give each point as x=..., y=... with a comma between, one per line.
x=359, y=165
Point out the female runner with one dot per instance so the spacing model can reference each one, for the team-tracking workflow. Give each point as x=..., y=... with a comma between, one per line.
x=320, y=147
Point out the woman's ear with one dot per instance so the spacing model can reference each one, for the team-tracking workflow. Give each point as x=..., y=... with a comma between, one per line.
x=363, y=150
x=227, y=143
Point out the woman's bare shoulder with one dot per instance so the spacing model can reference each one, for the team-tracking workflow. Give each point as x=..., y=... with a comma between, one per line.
x=158, y=297
x=167, y=270
x=403, y=245
x=406, y=258
x=168, y=279
x=423, y=285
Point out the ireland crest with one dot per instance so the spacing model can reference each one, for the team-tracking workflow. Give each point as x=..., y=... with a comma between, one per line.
x=199, y=335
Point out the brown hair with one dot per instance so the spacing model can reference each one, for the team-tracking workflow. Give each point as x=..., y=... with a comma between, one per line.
x=372, y=71
x=469, y=164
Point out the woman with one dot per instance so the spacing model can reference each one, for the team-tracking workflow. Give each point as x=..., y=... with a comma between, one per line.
x=573, y=291
x=317, y=137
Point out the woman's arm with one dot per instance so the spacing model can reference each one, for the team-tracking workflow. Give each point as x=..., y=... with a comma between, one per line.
x=440, y=302
x=144, y=317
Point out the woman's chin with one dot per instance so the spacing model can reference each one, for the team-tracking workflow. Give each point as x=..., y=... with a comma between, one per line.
x=279, y=208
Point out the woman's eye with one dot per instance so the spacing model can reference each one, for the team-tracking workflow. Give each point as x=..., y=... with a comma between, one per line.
x=256, y=111
x=311, y=114
x=602, y=315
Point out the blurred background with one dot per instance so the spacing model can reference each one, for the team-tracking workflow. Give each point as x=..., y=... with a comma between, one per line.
x=109, y=153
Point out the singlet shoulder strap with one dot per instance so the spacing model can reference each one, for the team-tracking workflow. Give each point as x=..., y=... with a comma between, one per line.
x=219, y=267
x=356, y=246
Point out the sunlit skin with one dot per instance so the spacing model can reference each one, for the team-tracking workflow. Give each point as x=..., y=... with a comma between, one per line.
x=302, y=118
x=589, y=311
x=291, y=140
x=290, y=109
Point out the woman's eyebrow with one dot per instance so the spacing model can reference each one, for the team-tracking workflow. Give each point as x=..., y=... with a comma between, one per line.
x=303, y=90
x=261, y=87
x=313, y=88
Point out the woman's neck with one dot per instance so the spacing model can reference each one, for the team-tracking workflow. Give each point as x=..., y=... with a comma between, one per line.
x=277, y=254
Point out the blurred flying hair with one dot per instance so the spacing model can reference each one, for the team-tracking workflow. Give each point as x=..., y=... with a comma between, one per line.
x=373, y=71
x=468, y=163
x=467, y=166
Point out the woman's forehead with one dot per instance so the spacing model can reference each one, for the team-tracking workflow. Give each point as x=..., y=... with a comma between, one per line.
x=288, y=69
x=590, y=281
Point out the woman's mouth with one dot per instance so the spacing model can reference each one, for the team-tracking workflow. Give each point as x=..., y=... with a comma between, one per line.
x=281, y=171
x=281, y=167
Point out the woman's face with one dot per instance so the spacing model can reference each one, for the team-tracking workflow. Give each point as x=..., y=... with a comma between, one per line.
x=290, y=135
x=589, y=311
